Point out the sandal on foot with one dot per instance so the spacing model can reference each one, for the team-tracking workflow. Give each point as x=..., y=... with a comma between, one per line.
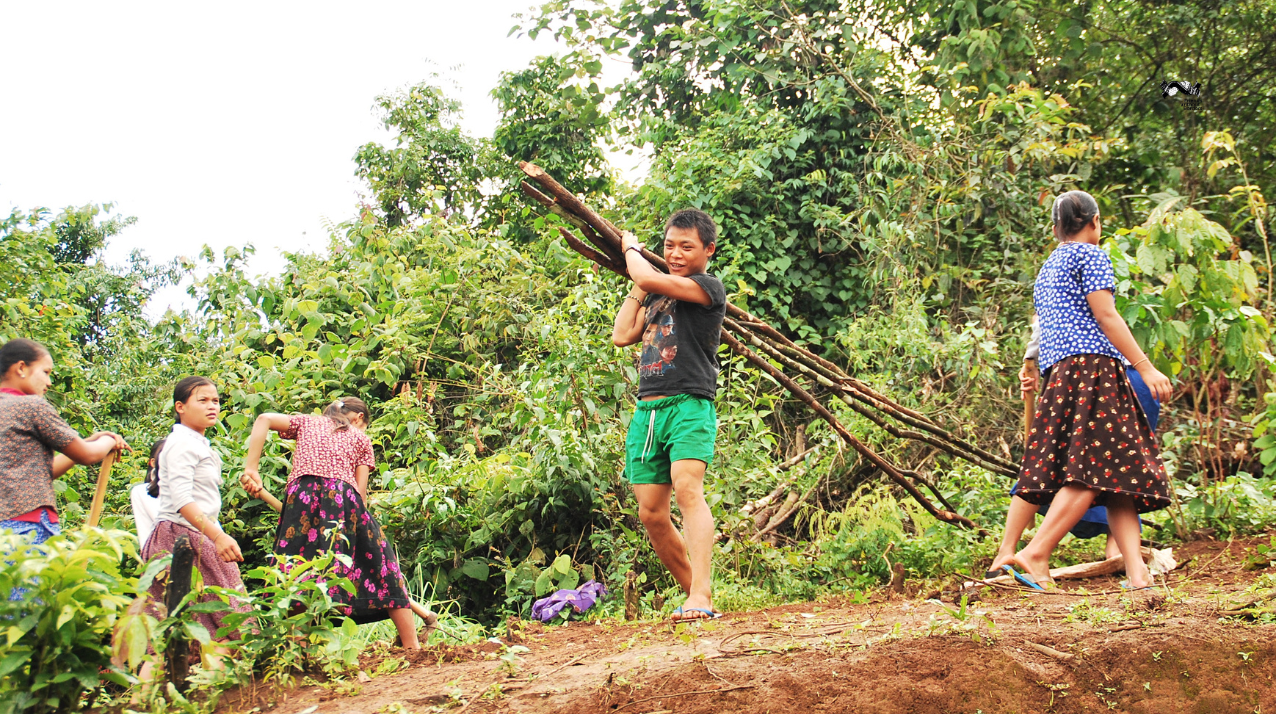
x=682, y=614
x=995, y=572
x=1023, y=578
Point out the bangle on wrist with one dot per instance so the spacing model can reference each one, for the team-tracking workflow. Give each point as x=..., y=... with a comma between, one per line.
x=1136, y=364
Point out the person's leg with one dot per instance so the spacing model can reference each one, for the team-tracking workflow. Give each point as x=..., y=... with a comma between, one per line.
x=653, y=511
x=1068, y=506
x=697, y=525
x=403, y=622
x=1019, y=518
x=1123, y=519
x=1111, y=549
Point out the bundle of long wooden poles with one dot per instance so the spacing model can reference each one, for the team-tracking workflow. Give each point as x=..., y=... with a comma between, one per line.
x=766, y=347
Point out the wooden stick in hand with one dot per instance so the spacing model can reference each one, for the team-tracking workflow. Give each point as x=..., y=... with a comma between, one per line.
x=99, y=496
x=1029, y=411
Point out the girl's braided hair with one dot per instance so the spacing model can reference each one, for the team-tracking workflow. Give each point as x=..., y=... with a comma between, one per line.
x=152, y=471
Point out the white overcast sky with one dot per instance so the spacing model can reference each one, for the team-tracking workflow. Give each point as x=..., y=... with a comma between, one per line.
x=226, y=123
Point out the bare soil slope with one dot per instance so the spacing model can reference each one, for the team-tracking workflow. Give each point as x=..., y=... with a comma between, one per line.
x=1086, y=648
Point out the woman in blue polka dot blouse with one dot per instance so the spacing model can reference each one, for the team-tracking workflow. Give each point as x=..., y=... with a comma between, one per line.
x=1090, y=443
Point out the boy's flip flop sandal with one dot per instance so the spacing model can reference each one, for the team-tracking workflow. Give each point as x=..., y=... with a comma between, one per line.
x=680, y=615
x=1023, y=578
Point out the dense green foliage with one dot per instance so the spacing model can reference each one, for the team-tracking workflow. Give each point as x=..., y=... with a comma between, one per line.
x=882, y=178
x=57, y=633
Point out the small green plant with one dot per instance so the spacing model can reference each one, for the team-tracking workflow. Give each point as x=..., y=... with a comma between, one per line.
x=390, y=665
x=511, y=659
x=1060, y=689
x=340, y=687
x=964, y=622
x=959, y=614
x=1263, y=556
x=1091, y=615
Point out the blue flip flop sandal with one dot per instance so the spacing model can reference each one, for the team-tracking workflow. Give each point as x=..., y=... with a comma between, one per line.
x=679, y=615
x=1023, y=578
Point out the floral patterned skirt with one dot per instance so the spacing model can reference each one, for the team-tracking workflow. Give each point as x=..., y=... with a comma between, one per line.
x=327, y=514
x=1090, y=431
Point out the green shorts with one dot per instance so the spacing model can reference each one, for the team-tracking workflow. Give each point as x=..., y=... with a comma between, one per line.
x=667, y=430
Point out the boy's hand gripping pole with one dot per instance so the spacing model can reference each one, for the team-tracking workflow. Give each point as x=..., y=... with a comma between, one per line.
x=99, y=496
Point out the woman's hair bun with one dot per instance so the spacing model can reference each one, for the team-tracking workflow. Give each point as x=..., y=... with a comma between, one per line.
x=1072, y=211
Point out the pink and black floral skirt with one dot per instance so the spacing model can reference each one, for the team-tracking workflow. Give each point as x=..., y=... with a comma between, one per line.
x=1089, y=431
x=327, y=514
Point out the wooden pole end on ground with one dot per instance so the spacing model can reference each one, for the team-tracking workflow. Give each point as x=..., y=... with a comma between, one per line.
x=179, y=585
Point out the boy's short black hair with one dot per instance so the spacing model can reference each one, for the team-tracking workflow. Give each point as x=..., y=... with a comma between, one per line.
x=705, y=228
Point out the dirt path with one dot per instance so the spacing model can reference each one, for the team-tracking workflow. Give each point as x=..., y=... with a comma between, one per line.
x=1074, y=651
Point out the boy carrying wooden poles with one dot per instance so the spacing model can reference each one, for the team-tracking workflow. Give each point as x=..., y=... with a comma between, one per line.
x=678, y=317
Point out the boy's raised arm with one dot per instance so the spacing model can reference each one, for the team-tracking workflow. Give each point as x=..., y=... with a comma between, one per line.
x=650, y=280
x=629, y=320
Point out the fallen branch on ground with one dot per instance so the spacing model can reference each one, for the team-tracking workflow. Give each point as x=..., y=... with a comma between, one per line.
x=1050, y=651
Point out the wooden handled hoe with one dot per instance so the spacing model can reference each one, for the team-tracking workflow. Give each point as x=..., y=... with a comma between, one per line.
x=99, y=496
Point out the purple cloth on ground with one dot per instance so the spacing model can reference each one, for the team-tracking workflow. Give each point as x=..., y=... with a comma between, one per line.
x=580, y=599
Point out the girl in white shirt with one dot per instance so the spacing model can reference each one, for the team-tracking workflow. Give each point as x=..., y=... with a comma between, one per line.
x=190, y=479
x=145, y=496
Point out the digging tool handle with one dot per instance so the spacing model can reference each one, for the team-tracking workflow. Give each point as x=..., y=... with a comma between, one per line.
x=1029, y=410
x=99, y=496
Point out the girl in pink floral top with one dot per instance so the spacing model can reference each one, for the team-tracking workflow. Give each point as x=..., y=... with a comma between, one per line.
x=324, y=508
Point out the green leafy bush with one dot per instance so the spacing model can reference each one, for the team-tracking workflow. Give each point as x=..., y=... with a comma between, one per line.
x=282, y=628
x=1265, y=436
x=56, y=639
x=1236, y=505
x=289, y=623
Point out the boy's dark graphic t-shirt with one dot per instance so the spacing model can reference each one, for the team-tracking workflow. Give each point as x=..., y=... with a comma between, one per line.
x=680, y=343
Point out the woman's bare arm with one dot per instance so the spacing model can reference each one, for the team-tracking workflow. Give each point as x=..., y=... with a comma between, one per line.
x=61, y=464
x=361, y=481
x=1103, y=305
x=257, y=441
x=93, y=449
